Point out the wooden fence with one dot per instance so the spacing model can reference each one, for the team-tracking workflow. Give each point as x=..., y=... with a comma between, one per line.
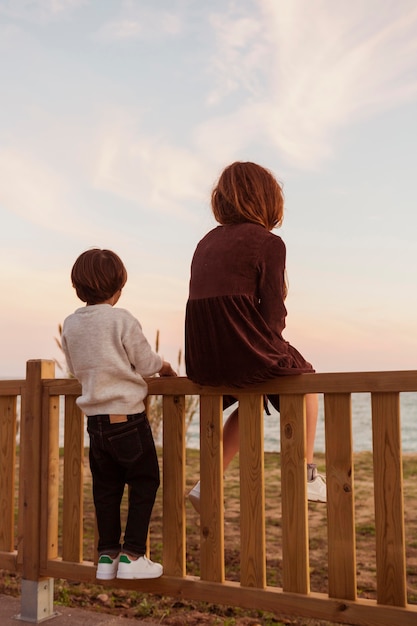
x=33, y=551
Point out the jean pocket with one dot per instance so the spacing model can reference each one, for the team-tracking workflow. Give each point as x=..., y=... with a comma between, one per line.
x=127, y=446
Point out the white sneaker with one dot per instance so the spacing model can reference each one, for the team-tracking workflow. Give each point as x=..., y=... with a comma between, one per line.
x=316, y=489
x=141, y=568
x=316, y=492
x=107, y=567
x=194, y=496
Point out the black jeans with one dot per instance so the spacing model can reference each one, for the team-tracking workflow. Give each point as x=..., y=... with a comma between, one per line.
x=123, y=454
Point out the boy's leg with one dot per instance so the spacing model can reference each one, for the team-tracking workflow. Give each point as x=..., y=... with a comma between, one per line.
x=108, y=487
x=142, y=476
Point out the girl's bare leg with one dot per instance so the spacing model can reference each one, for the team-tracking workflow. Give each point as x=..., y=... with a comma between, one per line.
x=230, y=438
x=316, y=484
x=231, y=431
x=312, y=409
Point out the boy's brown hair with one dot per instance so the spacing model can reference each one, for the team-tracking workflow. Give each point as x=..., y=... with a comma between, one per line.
x=247, y=192
x=97, y=275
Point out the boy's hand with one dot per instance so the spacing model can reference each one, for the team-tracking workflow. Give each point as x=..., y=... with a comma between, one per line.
x=166, y=370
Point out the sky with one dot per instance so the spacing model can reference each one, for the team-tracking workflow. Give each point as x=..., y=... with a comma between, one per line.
x=118, y=117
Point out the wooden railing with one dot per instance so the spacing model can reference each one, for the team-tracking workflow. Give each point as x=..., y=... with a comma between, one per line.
x=35, y=554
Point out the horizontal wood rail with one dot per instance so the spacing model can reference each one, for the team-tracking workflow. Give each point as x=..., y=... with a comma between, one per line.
x=50, y=551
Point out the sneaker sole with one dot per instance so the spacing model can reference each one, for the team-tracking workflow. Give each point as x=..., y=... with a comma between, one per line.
x=105, y=576
x=127, y=576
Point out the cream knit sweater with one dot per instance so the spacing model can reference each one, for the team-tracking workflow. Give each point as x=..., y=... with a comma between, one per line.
x=108, y=353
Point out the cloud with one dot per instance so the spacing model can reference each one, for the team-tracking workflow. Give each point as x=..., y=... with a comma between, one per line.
x=119, y=30
x=30, y=189
x=283, y=79
x=147, y=168
x=39, y=11
x=337, y=69
x=304, y=70
x=44, y=195
x=240, y=50
x=139, y=23
x=287, y=77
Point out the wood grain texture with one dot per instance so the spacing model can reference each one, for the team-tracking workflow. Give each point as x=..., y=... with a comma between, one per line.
x=73, y=490
x=8, y=420
x=340, y=494
x=389, y=506
x=173, y=478
x=295, y=557
x=211, y=500
x=252, y=492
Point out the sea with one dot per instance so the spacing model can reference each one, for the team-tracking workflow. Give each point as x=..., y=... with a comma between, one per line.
x=361, y=425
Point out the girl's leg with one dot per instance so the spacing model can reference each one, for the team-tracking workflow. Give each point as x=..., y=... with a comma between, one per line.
x=312, y=409
x=231, y=447
x=230, y=438
x=316, y=484
x=231, y=431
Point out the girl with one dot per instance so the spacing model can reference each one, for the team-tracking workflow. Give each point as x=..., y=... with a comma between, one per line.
x=235, y=313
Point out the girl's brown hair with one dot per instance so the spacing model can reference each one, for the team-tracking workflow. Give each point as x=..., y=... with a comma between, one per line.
x=97, y=275
x=247, y=192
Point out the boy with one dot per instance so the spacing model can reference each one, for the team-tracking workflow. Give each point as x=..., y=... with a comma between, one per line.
x=108, y=353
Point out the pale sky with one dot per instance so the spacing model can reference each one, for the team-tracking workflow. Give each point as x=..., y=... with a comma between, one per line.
x=117, y=118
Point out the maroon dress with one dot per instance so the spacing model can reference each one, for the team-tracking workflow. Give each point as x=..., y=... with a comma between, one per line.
x=235, y=313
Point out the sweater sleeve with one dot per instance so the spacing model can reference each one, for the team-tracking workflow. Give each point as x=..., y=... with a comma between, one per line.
x=65, y=350
x=142, y=358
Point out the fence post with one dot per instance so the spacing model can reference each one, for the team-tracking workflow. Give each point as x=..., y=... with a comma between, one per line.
x=37, y=593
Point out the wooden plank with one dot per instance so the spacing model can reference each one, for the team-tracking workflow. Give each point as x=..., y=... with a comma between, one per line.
x=72, y=524
x=12, y=387
x=333, y=382
x=173, y=480
x=31, y=454
x=295, y=557
x=252, y=492
x=20, y=495
x=8, y=561
x=63, y=387
x=49, y=478
x=389, y=505
x=211, y=500
x=7, y=471
x=340, y=496
x=361, y=612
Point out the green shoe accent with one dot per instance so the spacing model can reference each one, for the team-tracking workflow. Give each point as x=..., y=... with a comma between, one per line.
x=105, y=559
x=124, y=559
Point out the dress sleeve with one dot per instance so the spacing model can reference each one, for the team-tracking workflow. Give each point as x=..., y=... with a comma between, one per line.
x=271, y=287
